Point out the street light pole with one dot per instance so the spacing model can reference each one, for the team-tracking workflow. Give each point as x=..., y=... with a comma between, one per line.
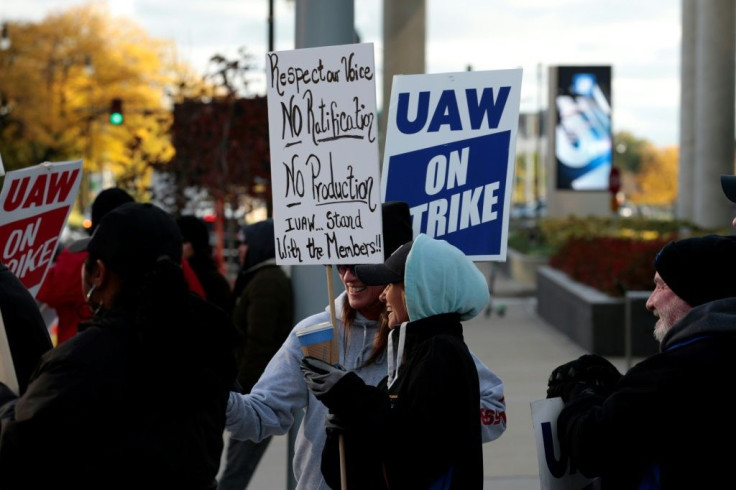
x=4, y=37
x=270, y=25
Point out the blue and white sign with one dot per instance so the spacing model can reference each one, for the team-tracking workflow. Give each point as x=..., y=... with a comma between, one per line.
x=449, y=153
x=556, y=472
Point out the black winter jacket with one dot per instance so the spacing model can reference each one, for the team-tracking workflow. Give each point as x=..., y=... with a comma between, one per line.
x=670, y=418
x=24, y=326
x=103, y=411
x=421, y=428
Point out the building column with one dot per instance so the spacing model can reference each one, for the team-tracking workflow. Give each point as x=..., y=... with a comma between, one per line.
x=684, y=209
x=324, y=23
x=714, y=110
x=404, y=40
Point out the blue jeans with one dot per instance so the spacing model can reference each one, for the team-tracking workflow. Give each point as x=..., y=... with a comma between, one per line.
x=241, y=462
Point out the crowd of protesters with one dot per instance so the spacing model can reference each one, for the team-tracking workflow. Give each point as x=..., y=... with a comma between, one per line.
x=145, y=317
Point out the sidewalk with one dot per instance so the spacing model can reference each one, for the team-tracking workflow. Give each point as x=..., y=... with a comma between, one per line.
x=522, y=349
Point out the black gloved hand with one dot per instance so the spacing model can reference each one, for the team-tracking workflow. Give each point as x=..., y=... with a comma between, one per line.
x=320, y=376
x=588, y=371
x=601, y=374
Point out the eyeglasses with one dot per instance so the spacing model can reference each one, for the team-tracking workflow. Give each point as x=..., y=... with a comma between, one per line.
x=343, y=268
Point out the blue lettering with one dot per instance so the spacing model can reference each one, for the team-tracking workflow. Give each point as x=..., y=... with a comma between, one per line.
x=486, y=106
x=402, y=118
x=446, y=112
x=557, y=468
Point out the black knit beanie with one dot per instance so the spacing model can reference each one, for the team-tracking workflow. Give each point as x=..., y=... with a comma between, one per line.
x=106, y=201
x=699, y=269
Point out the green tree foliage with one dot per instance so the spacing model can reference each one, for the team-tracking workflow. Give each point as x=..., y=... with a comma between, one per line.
x=629, y=151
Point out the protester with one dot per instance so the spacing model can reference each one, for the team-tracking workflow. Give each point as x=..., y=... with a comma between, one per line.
x=137, y=398
x=281, y=391
x=263, y=315
x=430, y=287
x=25, y=331
x=198, y=253
x=666, y=423
x=62, y=287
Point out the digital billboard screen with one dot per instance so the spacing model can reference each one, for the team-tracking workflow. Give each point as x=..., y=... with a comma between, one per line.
x=583, y=137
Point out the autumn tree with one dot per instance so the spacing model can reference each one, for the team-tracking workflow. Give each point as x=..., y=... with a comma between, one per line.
x=59, y=77
x=629, y=151
x=657, y=178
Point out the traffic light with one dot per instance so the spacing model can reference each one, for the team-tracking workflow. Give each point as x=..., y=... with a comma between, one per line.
x=116, y=112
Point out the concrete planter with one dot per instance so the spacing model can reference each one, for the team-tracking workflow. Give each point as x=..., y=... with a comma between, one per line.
x=595, y=321
x=522, y=268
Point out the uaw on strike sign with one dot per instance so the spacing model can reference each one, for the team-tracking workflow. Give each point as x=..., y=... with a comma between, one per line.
x=34, y=205
x=450, y=150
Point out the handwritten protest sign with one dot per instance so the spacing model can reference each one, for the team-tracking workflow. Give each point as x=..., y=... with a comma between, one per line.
x=450, y=150
x=36, y=202
x=555, y=471
x=324, y=155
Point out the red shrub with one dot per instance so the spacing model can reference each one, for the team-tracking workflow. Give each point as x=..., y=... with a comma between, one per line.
x=611, y=265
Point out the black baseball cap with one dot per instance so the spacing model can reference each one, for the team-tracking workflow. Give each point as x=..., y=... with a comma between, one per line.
x=728, y=184
x=132, y=237
x=397, y=228
x=389, y=272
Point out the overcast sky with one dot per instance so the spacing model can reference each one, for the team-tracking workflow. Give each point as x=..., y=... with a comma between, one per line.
x=639, y=38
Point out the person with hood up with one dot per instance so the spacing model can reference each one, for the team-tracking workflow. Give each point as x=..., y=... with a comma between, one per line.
x=137, y=398
x=281, y=391
x=263, y=315
x=418, y=428
x=667, y=422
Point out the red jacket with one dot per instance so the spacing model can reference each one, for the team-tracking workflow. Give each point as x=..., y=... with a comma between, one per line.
x=62, y=290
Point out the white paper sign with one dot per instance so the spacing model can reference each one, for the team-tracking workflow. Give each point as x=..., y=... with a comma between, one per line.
x=323, y=131
x=555, y=472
